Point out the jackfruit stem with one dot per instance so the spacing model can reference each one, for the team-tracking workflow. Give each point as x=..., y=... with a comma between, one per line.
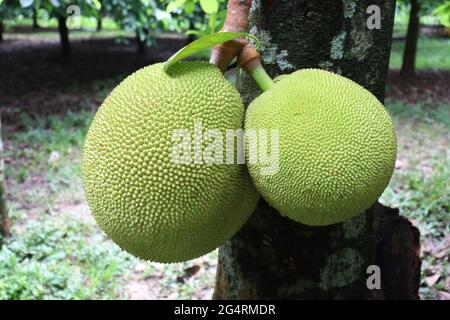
x=262, y=79
x=250, y=60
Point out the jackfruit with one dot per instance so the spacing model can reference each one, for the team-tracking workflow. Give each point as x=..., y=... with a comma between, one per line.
x=337, y=147
x=150, y=205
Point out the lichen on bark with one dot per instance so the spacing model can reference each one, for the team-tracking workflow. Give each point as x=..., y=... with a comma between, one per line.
x=341, y=269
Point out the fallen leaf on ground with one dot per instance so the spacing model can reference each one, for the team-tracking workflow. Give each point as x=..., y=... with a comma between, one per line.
x=431, y=280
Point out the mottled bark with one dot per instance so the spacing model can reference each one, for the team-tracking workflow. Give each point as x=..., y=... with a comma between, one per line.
x=273, y=257
x=4, y=220
x=64, y=37
x=412, y=37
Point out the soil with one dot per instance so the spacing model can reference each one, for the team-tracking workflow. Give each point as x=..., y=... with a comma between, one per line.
x=426, y=86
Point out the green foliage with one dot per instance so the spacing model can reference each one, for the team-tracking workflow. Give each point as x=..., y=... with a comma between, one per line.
x=45, y=21
x=207, y=16
x=49, y=260
x=55, y=256
x=443, y=12
x=426, y=6
x=146, y=18
x=60, y=8
x=8, y=9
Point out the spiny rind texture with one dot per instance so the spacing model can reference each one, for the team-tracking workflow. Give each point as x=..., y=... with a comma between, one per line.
x=150, y=206
x=337, y=147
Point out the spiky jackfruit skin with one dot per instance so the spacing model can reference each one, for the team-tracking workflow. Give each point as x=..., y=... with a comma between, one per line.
x=150, y=206
x=337, y=147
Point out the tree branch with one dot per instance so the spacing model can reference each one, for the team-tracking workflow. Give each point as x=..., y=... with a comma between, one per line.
x=236, y=21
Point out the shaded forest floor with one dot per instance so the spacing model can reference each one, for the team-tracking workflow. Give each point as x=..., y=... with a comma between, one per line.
x=57, y=251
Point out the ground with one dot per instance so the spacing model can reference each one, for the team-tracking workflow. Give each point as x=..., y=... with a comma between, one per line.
x=57, y=251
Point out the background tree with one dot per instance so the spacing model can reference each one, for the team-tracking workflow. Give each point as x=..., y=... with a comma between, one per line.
x=101, y=12
x=35, y=18
x=60, y=9
x=4, y=220
x=8, y=8
x=412, y=37
x=34, y=14
x=417, y=8
x=275, y=257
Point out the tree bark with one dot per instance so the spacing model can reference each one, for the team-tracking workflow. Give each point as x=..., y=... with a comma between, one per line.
x=35, y=22
x=412, y=37
x=4, y=220
x=64, y=37
x=273, y=257
x=140, y=44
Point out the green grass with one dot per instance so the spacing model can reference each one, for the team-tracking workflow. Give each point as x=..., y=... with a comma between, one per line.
x=49, y=260
x=420, y=187
x=56, y=250
x=55, y=253
x=432, y=53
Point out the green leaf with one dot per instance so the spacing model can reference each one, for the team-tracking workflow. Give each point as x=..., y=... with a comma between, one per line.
x=209, y=6
x=97, y=4
x=189, y=7
x=212, y=22
x=204, y=43
x=175, y=5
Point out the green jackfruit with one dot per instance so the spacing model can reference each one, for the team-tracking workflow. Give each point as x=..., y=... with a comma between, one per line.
x=148, y=204
x=337, y=147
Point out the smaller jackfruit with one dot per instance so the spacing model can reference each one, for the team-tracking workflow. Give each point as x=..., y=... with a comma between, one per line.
x=150, y=205
x=337, y=147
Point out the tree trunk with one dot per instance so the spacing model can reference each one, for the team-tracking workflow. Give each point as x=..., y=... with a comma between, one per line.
x=412, y=37
x=273, y=257
x=35, y=22
x=100, y=22
x=140, y=44
x=4, y=220
x=1, y=31
x=64, y=37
